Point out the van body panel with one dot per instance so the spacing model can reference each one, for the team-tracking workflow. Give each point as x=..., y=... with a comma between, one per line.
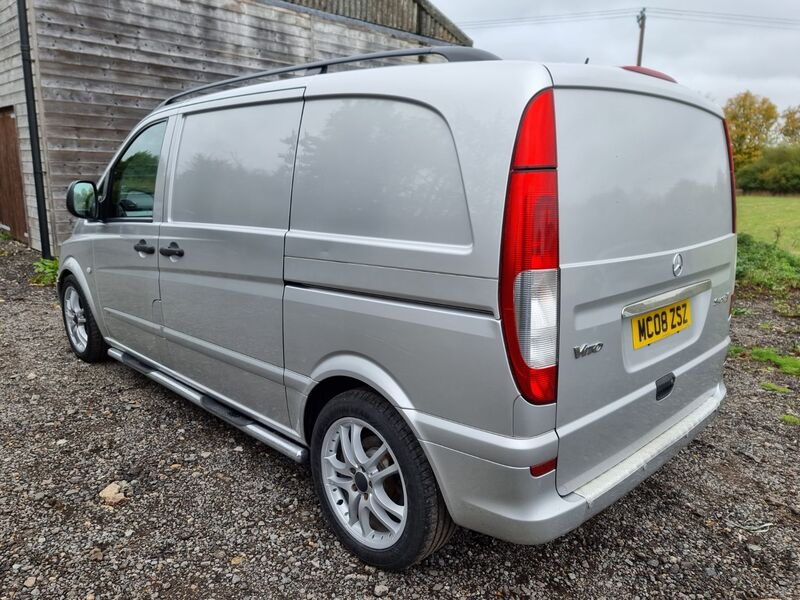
x=643, y=182
x=679, y=196
x=505, y=502
x=617, y=79
x=480, y=105
x=457, y=291
x=402, y=338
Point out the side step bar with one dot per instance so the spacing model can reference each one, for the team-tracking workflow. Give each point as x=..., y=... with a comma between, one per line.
x=230, y=415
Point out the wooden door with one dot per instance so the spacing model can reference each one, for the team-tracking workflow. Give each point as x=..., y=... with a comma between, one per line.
x=12, y=199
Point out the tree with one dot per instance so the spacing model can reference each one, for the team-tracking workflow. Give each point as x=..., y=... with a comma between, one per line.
x=751, y=121
x=790, y=125
x=777, y=171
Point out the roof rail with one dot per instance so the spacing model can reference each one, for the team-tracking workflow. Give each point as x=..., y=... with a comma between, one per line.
x=451, y=53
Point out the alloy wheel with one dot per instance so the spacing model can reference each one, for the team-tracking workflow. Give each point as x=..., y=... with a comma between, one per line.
x=363, y=483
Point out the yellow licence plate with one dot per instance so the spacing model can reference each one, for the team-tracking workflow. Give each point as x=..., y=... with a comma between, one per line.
x=660, y=323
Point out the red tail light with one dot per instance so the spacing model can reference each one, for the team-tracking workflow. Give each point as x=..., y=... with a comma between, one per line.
x=529, y=256
x=733, y=175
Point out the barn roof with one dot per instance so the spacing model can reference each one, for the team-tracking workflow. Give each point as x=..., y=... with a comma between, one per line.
x=419, y=17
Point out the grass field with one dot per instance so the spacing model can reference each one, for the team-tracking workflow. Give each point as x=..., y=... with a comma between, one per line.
x=761, y=216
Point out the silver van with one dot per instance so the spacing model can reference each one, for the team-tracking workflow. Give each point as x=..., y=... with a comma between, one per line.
x=478, y=292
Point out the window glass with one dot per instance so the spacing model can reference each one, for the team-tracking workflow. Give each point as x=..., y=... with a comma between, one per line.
x=374, y=167
x=133, y=178
x=234, y=166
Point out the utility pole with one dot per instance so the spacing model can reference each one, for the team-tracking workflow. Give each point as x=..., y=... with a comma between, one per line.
x=641, y=18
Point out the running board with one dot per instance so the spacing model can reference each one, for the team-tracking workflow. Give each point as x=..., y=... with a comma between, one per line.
x=230, y=415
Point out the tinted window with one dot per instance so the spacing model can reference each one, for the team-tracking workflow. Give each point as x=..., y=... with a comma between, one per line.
x=133, y=178
x=235, y=166
x=379, y=168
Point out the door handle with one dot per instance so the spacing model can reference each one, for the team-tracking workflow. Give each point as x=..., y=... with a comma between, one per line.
x=143, y=247
x=172, y=250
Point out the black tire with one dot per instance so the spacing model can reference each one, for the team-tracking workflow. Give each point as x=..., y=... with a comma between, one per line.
x=428, y=526
x=96, y=348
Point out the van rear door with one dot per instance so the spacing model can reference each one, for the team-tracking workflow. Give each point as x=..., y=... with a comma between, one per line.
x=647, y=253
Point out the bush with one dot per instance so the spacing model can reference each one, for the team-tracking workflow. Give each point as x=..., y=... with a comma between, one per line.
x=46, y=271
x=777, y=171
x=765, y=265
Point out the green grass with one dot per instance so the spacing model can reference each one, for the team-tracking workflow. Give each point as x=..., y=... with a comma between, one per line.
x=734, y=350
x=772, y=387
x=764, y=265
x=761, y=216
x=46, y=271
x=4, y=235
x=790, y=419
x=787, y=364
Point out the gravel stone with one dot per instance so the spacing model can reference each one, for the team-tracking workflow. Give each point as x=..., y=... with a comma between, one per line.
x=688, y=532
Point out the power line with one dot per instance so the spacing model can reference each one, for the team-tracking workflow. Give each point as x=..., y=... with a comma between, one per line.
x=717, y=18
x=674, y=16
x=585, y=15
x=727, y=16
x=718, y=22
x=554, y=16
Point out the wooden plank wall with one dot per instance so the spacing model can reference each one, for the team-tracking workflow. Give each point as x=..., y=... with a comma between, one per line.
x=104, y=64
x=415, y=16
x=12, y=93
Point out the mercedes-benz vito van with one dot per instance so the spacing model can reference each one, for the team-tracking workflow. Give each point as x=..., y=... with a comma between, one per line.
x=482, y=292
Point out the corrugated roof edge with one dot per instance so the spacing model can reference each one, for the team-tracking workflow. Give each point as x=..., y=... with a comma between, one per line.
x=436, y=14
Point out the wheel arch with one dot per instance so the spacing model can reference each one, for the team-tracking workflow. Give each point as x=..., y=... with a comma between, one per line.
x=345, y=371
x=70, y=266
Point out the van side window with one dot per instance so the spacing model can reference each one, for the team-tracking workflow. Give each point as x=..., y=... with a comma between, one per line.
x=379, y=168
x=133, y=177
x=234, y=166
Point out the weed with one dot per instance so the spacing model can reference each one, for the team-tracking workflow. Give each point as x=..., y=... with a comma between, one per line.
x=790, y=419
x=740, y=311
x=734, y=350
x=785, y=309
x=787, y=364
x=766, y=266
x=772, y=387
x=4, y=235
x=766, y=326
x=46, y=271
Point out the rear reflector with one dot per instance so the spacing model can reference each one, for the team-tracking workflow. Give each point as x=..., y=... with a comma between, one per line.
x=544, y=468
x=529, y=293
x=650, y=72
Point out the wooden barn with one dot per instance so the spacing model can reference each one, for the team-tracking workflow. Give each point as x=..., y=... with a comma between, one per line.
x=88, y=70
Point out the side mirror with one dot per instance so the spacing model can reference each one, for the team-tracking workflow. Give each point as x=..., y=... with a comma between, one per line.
x=82, y=199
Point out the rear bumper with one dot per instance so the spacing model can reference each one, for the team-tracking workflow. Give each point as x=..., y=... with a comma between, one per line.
x=506, y=502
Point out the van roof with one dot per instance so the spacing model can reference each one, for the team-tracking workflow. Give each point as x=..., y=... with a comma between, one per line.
x=450, y=53
x=558, y=75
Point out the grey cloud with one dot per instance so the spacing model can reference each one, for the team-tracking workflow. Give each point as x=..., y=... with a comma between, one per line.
x=716, y=60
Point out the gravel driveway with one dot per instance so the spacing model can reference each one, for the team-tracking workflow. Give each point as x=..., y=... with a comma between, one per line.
x=203, y=511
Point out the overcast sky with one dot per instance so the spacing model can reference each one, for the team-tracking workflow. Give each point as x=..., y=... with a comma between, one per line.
x=718, y=60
